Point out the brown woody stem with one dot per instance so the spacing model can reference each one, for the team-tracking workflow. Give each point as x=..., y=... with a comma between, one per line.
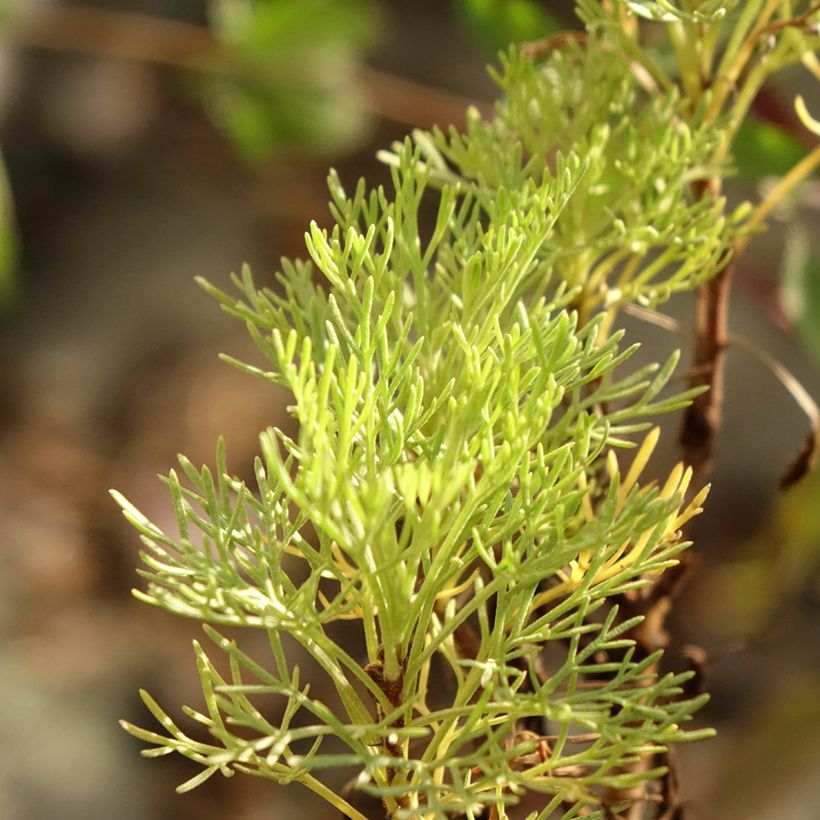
x=702, y=418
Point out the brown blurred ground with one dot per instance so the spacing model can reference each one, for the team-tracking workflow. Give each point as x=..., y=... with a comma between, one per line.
x=108, y=368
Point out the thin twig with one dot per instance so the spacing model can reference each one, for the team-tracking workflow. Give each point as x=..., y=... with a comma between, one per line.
x=805, y=458
x=408, y=102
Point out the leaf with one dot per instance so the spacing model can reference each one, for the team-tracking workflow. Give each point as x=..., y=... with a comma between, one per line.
x=293, y=81
x=497, y=24
x=197, y=780
x=459, y=387
x=664, y=11
x=262, y=121
x=761, y=148
x=253, y=28
x=800, y=287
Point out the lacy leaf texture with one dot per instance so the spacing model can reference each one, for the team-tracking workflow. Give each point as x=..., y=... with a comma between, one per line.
x=445, y=543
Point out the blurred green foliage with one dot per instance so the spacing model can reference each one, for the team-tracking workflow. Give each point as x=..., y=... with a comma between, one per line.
x=496, y=24
x=757, y=783
x=800, y=286
x=8, y=239
x=760, y=146
x=775, y=571
x=292, y=73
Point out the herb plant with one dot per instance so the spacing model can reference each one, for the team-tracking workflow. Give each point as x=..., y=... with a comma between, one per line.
x=466, y=488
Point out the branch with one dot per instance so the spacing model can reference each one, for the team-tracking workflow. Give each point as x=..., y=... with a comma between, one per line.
x=702, y=419
x=806, y=457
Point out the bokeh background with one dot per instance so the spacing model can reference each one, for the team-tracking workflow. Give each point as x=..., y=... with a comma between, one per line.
x=138, y=156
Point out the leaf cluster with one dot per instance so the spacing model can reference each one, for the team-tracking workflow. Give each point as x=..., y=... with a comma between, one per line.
x=457, y=495
x=631, y=232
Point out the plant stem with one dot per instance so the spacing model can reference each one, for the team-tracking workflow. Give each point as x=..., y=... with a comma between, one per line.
x=730, y=70
x=688, y=60
x=741, y=27
x=702, y=418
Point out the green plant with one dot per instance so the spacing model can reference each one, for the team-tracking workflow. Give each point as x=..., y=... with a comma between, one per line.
x=457, y=492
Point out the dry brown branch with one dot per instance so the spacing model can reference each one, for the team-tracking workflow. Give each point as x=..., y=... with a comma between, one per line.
x=702, y=419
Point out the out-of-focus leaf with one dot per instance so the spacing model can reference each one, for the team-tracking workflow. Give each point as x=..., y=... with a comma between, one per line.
x=800, y=287
x=773, y=755
x=761, y=147
x=293, y=78
x=8, y=239
x=778, y=565
x=497, y=24
x=252, y=27
x=261, y=120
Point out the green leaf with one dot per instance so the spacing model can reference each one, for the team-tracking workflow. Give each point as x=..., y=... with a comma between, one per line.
x=462, y=394
x=761, y=148
x=800, y=287
x=197, y=780
x=665, y=11
x=254, y=28
x=293, y=81
x=497, y=24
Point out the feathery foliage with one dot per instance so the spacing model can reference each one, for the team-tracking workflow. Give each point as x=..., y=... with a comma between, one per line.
x=456, y=492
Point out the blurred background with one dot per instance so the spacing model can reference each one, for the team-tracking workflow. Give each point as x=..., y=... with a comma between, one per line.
x=149, y=141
